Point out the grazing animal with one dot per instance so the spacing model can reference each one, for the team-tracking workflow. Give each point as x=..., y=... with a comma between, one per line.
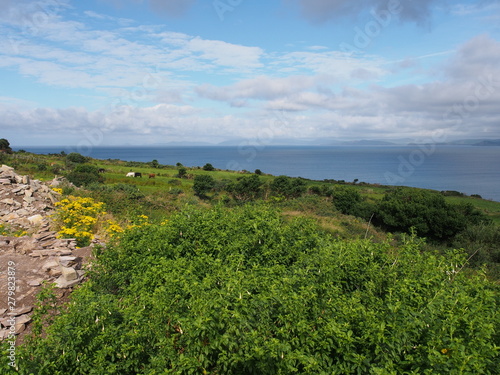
x=137, y=174
x=130, y=174
x=152, y=175
x=102, y=170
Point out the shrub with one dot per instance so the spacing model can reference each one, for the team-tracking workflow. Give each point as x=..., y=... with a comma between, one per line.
x=244, y=292
x=288, y=187
x=425, y=211
x=246, y=188
x=203, y=184
x=75, y=157
x=181, y=172
x=85, y=174
x=208, y=167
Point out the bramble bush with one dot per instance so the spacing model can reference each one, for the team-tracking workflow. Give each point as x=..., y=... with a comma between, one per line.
x=244, y=291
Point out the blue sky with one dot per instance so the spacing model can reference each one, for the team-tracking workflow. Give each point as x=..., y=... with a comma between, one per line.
x=124, y=72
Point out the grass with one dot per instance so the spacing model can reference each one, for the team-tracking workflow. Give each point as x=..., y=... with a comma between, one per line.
x=166, y=179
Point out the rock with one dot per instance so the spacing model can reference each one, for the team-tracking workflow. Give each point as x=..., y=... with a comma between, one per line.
x=25, y=246
x=50, y=264
x=3, y=311
x=8, y=201
x=4, y=334
x=5, y=181
x=69, y=273
x=20, y=311
x=20, y=328
x=36, y=219
x=45, y=235
x=11, y=216
x=62, y=283
x=67, y=261
x=35, y=283
x=23, y=319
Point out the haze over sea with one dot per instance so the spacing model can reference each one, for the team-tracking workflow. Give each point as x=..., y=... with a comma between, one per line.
x=468, y=169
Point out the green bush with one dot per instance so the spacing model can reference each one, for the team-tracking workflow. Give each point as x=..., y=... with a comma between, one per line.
x=244, y=292
x=246, y=188
x=288, y=187
x=84, y=175
x=203, y=184
x=208, y=167
x=425, y=211
x=482, y=244
x=75, y=157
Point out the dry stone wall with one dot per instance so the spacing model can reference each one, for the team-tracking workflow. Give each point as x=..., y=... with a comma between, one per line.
x=27, y=261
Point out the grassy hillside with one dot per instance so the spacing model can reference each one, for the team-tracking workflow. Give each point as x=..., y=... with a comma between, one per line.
x=258, y=274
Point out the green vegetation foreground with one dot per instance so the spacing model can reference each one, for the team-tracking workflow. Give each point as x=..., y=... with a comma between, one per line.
x=244, y=291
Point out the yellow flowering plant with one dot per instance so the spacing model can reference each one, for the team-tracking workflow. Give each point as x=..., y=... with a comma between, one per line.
x=78, y=217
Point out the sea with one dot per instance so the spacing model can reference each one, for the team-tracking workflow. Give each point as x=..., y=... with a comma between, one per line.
x=467, y=169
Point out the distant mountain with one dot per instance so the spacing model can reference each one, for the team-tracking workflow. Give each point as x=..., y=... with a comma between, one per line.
x=464, y=142
x=488, y=142
x=184, y=143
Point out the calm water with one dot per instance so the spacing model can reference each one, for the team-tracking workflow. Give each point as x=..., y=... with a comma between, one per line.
x=469, y=169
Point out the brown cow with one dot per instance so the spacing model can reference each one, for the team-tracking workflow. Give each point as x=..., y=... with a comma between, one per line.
x=152, y=175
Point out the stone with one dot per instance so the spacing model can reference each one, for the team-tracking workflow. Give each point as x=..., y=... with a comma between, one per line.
x=20, y=328
x=62, y=283
x=20, y=311
x=36, y=219
x=35, y=283
x=3, y=311
x=69, y=273
x=23, y=319
x=8, y=201
x=67, y=261
x=50, y=264
x=5, y=181
x=29, y=200
x=11, y=216
x=4, y=334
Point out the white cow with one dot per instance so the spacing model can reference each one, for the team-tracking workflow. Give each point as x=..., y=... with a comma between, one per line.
x=130, y=174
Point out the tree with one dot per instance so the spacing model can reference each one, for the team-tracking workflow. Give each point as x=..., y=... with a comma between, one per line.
x=258, y=171
x=208, y=167
x=5, y=146
x=203, y=184
x=288, y=187
x=154, y=164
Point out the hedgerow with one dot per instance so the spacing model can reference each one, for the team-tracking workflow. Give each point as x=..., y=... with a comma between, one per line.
x=244, y=291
